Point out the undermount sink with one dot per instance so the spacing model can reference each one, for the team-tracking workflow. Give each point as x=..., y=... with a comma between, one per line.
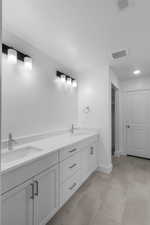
x=18, y=154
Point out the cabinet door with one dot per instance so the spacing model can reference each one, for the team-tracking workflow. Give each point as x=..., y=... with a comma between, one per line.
x=17, y=206
x=92, y=162
x=46, y=195
x=84, y=164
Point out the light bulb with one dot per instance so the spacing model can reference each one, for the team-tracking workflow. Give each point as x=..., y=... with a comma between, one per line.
x=28, y=62
x=63, y=78
x=12, y=55
x=69, y=81
x=74, y=83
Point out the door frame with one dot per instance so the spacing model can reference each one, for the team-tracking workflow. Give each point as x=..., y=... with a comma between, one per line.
x=117, y=121
x=124, y=118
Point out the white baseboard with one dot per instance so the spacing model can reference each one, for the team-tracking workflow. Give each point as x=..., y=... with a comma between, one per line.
x=119, y=153
x=105, y=169
x=123, y=153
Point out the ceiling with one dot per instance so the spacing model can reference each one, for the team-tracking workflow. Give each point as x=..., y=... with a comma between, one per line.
x=82, y=34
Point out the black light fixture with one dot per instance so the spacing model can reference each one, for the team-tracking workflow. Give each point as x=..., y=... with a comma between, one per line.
x=70, y=81
x=15, y=55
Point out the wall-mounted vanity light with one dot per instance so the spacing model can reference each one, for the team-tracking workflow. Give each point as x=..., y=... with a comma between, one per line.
x=68, y=80
x=14, y=55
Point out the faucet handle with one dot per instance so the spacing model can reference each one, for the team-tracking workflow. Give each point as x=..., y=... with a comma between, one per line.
x=10, y=138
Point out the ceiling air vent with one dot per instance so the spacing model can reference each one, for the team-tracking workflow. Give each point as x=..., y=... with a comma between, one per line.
x=122, y=4
x=120, y=54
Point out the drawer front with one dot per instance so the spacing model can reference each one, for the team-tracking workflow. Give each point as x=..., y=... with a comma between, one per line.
x=69, y=166
x=68, y=151
x=70, y=186
x=18, y=176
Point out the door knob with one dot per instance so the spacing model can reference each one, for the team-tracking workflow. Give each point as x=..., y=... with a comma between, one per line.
x=127, y=126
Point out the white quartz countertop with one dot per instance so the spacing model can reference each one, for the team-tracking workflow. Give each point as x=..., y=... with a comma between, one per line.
x=41, y=148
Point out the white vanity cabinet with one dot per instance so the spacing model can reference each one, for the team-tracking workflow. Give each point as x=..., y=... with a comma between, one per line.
x=33, y=203
x=33, y=193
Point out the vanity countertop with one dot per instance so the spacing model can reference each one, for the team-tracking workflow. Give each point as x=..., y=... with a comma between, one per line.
x=35, y=150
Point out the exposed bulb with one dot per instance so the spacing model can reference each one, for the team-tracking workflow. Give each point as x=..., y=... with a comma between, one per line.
x=63, y=78
x=12, y=55
x=74, y=83
x=69, y=81
x=28, y=62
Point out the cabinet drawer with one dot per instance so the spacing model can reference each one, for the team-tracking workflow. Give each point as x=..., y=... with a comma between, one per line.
x=68, y=151
x=70, y=187
x=69, y=166
x=18, y=176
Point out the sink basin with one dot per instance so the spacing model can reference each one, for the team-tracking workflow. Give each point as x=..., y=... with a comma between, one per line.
x=18, y=154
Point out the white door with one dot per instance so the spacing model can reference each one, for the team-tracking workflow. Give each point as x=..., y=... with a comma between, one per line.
x=17, y=206
x=46, y=195
x=137, y=123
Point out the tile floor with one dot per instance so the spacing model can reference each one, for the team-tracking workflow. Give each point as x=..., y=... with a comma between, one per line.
x=121, y=198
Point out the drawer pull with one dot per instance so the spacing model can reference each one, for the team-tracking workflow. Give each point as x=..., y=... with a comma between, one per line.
x=32, y=191
x=73, y=150
x=92, y=150
x=73, y=186
x=71, y=167
x=37, y=187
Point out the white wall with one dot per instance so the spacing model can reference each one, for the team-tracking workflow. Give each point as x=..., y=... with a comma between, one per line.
x=32, y=101
x=94, y=92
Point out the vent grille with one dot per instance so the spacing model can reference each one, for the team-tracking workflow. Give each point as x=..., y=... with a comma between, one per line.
x=120, y=54
x=122, y=4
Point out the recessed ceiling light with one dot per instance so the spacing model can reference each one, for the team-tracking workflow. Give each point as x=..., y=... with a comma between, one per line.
x=137, y=72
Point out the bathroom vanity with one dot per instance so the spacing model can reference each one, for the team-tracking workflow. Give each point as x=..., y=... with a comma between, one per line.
x=39, y=178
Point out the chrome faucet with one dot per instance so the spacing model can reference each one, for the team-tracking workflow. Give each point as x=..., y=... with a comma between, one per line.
x=11, y=141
